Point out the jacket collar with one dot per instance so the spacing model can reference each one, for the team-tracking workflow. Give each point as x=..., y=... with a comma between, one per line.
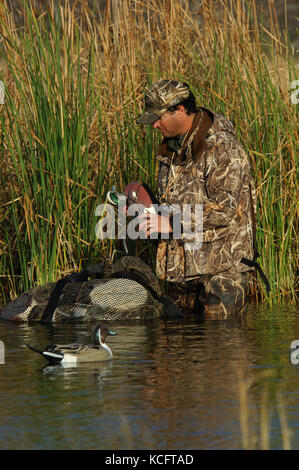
x=195, y=138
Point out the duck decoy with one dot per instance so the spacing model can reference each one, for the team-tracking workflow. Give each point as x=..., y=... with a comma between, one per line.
x=75, y=352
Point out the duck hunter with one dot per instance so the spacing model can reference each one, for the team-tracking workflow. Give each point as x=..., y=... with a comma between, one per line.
x=201, y=162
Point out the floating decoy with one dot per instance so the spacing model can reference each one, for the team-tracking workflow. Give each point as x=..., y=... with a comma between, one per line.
x=74, y=353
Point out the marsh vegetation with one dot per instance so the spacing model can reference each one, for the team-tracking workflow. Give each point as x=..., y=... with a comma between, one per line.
x=74, y=83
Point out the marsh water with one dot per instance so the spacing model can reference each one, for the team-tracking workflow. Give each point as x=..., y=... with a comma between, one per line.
x=196, y=383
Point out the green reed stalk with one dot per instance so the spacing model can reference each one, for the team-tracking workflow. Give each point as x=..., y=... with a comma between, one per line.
x=48, y=141
x=75, y=84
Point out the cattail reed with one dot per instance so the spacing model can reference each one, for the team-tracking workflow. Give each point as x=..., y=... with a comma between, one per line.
x=74, y=81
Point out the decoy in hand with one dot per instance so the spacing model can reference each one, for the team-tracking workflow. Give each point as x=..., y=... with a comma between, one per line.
x=74, y=352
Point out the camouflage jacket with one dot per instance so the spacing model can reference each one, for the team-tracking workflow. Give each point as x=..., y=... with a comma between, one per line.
x=210, y=168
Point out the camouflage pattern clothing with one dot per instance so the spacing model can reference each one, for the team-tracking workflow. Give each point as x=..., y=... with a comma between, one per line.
x=162, y=95
x=211, y=168
x=221, y=294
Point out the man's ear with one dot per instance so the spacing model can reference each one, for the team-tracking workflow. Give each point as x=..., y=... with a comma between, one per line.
x=182, y=109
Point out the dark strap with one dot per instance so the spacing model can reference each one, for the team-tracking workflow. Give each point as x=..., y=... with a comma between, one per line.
x=96, y=270
x=170, y=307
x=53, y=301
x=254, y=264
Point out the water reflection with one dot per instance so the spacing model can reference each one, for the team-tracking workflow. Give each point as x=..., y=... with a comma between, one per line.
x=170, y=385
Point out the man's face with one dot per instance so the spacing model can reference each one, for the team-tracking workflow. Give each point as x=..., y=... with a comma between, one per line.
x=169, y=124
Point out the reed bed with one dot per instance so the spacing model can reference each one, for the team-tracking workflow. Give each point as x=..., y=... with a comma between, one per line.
x=74, y=82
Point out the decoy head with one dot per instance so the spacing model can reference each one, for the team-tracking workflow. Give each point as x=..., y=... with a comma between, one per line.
x=100, y=334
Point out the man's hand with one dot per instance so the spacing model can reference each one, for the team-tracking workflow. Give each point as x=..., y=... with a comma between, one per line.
x=154, y=223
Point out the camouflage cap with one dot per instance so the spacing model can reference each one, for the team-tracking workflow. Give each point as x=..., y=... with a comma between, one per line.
x=160, y=96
